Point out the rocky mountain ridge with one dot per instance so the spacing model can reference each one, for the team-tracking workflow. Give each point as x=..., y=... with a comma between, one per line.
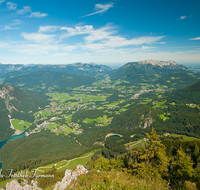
x=6, y=68
x=157, y=62
x=148, y=70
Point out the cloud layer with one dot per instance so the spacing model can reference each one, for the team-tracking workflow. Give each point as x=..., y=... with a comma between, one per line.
x=55, y=41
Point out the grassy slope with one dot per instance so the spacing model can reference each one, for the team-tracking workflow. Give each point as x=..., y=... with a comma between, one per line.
x=69, y=164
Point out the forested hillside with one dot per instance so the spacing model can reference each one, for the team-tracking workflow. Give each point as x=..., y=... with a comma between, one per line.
x=40, y=149
x=49, y=80
x=19, y=105
x=188, y=94
x=9, y=70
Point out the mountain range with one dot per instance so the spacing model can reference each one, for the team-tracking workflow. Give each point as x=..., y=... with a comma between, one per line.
x=10, y=70
x=168, y=74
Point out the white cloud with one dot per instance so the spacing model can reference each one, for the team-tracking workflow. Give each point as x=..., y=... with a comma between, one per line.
x=194, y=51
x=39, y=49
x=34, y=49
x=101, y=8
x=39, y=38
x=77, y=30
x=9, y=26
x=38, y=14
x=16, y=22
x=105, y=37
x=183, y=17
x=99, y=39
x=6, y=27
x=4, y=44
x=47, y=28
x=100, y=34
x=93, y=47
x=11, y=6
x=197, y=38
x=26, y=9
x=118, y=41
x=1, y=1
x=146, y=47
x=113, y=42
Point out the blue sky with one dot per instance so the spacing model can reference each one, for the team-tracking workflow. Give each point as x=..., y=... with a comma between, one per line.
x=104, y=32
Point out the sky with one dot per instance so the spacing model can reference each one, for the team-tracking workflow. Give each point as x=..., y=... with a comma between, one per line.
x=103, y=32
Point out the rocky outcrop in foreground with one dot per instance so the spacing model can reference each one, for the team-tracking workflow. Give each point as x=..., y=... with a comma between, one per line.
x=14, y=185
x=69, y=177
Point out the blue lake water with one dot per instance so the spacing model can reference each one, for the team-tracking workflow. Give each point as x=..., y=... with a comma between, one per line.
x=2, y=143
x=114, y=135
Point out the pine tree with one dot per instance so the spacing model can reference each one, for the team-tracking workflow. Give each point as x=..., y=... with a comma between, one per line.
x=182, y=168
x=153, y=162
x=196, y=154
x=196, y=150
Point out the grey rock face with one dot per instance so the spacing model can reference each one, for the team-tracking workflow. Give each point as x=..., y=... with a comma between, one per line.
x=14, y=185
x=156, y=62
x=69, y=177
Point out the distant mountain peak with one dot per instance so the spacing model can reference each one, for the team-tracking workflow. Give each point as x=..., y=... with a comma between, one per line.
x=160, y=63
x=147, y=70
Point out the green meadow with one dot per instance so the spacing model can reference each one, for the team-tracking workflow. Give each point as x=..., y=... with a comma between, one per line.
x=20, y=124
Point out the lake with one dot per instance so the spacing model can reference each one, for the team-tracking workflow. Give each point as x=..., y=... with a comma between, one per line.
x=14, y=137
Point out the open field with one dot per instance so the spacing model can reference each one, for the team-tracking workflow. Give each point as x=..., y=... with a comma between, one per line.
x=20, y=124
x=69, y=164
x=162, y=116
x=100, y=120
x=159, y=104
x=140, y=144
x=186, y=138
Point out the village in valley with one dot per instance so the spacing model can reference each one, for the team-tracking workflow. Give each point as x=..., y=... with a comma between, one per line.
x=57, y=116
